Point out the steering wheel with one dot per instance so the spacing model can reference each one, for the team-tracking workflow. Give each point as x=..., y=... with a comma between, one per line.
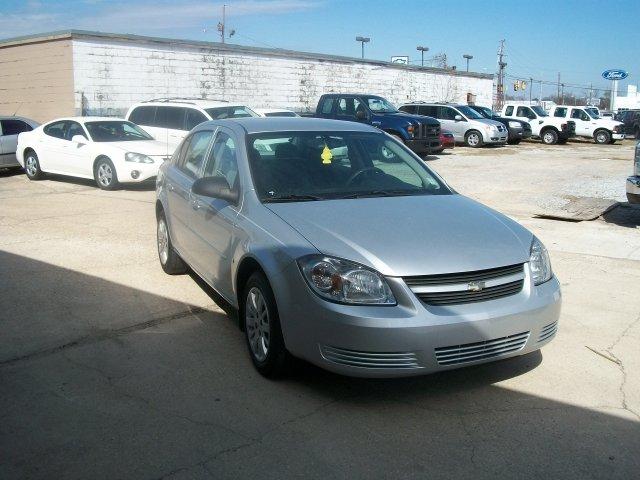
x=362, y=171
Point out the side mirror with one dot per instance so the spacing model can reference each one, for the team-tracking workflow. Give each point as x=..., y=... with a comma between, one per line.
x=79, y=139
x=215, y=187
x=458, y=118
x=361, y=115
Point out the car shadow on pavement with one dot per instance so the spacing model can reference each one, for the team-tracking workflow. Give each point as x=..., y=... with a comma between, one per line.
x=10, y=172
x=102, y=380
x=87, y=182
x=624, y=215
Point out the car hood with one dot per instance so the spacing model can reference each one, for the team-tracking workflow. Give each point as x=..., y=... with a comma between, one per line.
x=489, y=121
x=411, y=118
x=412, y=235
x=145, y=147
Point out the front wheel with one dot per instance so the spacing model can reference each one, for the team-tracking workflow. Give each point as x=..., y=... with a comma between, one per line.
x=549, y=137
x=105, y=174
x=473, y=139
x=602, y=136
x=262, y=327
x=32, y=166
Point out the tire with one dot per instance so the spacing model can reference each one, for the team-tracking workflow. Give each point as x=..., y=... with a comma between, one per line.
x=549, y=136
x=473, y=139
x=438, y=151
x=602, y=137
x=636, y=133
x=514, y=142
x=32, y=166
x=633, y=198
x=612, y=141
x=105, y=174
x=170, y=261
x=264, y=340
x=562, y=141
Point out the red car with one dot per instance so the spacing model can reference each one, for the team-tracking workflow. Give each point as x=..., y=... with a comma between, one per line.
x=446, y=141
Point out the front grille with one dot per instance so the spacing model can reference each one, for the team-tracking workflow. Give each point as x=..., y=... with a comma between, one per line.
x=426, y=130
x=548, y=331
x=526, y=127
x=472, y=352
x=353, y=358
x=468, y=287
x=501, y=128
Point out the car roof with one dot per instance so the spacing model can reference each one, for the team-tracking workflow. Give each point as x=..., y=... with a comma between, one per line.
x=89, y=119
x=14, y=117
x=288, y=124
x=189, y=102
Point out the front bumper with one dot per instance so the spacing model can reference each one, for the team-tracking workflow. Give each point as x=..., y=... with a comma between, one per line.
x=423, y=145
x=132, y=172
x=403, y=340
x=495, y=137
x=617, y=136
x=633, y=189
x=518, y=133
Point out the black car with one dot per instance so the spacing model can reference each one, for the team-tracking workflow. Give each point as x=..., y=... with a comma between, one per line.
x=631, y=120
x=518, y=129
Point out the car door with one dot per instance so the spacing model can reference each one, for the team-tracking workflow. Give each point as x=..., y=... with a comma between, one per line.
x=51, y=147
x=145, y=117
x=178, y=181
x=10, y=128
x=346, y=109
x=457, y=127
x=215, y=219
x=526, y=115
x=173, y=120
x=76, y=156
x=584, y=128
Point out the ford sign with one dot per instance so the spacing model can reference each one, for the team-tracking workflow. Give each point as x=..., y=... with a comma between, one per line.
x=614, y=74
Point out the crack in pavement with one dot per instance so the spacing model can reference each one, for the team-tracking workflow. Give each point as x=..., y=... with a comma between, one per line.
x=622, y=368
x=106, y=334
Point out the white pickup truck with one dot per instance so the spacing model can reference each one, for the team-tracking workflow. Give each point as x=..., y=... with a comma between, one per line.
x=589, y=124
x=548, y=129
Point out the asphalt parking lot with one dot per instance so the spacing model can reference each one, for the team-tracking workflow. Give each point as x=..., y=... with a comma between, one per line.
x=111, y=369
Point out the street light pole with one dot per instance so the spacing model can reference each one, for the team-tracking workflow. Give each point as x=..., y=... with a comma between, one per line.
x=467, y=58
x=422, y=50
x=363, y=40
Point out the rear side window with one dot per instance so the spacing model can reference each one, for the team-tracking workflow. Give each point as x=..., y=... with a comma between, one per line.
x=428, y=111
x=509, y=110
x=524, y=112
x=193, y=154
x=170, y=117
x=74, y=129
x=14, y=127
x=327, y=105
x=143, y=116
x=55, y=130
x=408, y=108
x=194, y=118
x=560, y=112
x=447, y=113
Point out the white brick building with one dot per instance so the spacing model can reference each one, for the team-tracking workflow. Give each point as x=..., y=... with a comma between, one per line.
x=109, y=72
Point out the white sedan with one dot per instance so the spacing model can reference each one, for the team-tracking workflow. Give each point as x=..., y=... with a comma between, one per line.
x=110, y=150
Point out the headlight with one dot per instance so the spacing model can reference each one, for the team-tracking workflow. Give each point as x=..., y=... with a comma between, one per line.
x=137, y=158
x=347, y=282
x=515, y=124
x=539, y=263
x=411, y=130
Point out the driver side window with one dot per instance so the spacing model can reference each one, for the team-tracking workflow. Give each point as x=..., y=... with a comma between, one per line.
x=194, y=152
x=525, y=112
x=222, y=161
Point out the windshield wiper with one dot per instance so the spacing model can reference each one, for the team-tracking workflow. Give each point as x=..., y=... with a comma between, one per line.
x=381, y=193
x=293, y=198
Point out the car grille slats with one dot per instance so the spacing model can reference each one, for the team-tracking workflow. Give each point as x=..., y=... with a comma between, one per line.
x=471, y=352
x=467, y=287
x=426, y=130
x=355, y=358
x=548, y=331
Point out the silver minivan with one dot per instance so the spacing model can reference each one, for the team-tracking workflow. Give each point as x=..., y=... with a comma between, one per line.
x=466, y=125
x=338, y=245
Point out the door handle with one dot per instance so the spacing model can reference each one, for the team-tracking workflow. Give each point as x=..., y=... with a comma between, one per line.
x=170, y=187
x=195, y=204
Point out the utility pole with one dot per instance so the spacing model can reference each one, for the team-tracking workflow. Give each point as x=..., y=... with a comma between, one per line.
x=222, y=24
x=562, y=95
x=501, y=66
x=530, y=89
x=558, y=96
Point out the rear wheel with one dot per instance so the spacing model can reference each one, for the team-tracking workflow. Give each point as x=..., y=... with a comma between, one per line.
x=473, y=139
x=602, y=136
x=105, y=174
x=262, y=327
x=549, y=137
x=170, y=261
x=32, y=166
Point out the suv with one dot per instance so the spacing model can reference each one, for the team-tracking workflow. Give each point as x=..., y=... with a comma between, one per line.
x=170, y=119
x=420, y=134
x=467, y=125
x=631, y=121
x=548, y=129
x=633, y=182
x=10, y=128
x=518, y=129
x=589, y=124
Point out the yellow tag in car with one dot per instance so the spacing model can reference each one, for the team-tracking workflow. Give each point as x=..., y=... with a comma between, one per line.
x=326, y=155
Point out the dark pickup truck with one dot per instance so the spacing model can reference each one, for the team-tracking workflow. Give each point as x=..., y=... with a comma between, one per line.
x=420, y=134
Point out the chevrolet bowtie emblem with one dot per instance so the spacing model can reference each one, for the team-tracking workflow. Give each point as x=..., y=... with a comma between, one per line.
x=475, y=286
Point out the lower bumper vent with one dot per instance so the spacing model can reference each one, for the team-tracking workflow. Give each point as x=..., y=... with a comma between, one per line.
x=353, y=358
x=548, y=331
x=471, y=352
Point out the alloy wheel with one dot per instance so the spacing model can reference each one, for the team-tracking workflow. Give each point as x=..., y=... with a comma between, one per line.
x=105, y=175
x=163, y=241
x=473, y=140
x=31, y=166
x=257, y=324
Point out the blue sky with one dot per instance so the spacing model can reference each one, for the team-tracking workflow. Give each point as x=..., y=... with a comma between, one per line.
x=580, y=39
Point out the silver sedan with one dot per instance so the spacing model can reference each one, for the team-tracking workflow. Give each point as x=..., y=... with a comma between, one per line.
x=339, y=246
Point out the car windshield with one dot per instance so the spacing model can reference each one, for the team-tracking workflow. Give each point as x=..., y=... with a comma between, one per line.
x=469, y=112
x=380, y=105
x=281, y=114
x=220, y=113
x=593, y=113
x=539, y=110
x=307, y=166
x=486, y=112
x=116, y=131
